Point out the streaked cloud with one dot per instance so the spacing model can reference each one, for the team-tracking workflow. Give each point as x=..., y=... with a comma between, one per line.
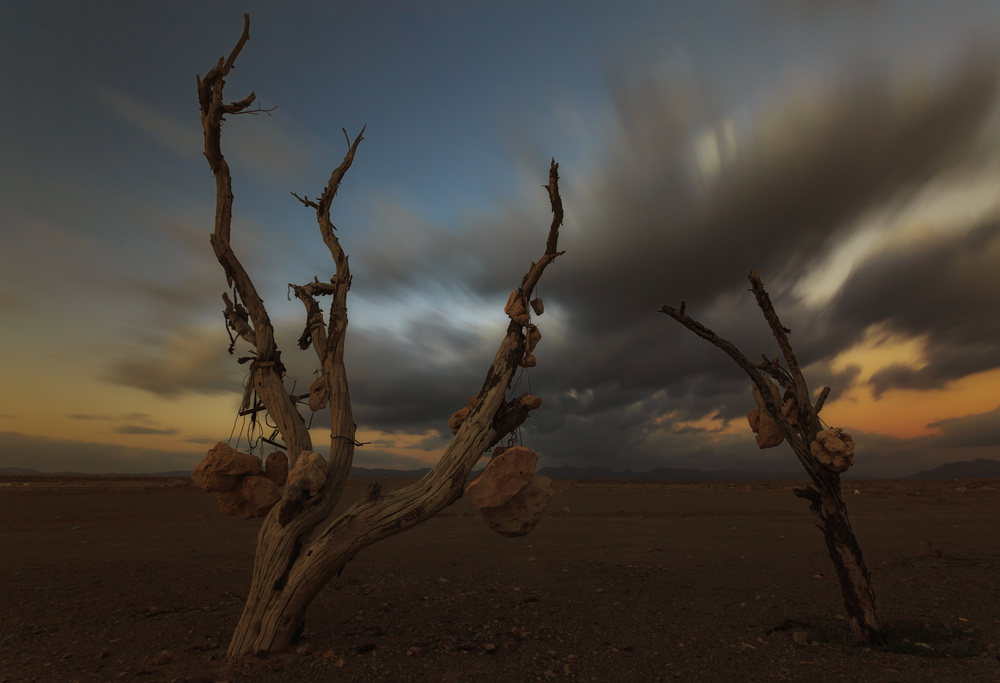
x=182, y=139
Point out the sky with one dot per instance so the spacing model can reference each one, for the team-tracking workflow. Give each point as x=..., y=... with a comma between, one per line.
x=850, y=151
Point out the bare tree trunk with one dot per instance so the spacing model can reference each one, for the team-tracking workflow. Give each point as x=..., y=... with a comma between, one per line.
x=300, y=546
x=855, y=583
x=798, y=420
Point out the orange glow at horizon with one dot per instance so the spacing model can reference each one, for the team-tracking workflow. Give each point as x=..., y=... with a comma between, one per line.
x=907, y=412
x=903, y=412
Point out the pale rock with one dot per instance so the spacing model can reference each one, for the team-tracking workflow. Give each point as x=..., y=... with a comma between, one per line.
x=319, y=394
x=506, y=473
x=309, y=472
x=519, y=515
x=767, y=432
x=223, y=468
x=834, y=449
x=531, y=402
x=276, y=468
x=766, y=429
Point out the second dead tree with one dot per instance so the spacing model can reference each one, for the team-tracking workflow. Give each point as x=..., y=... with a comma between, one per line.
x=786, y=412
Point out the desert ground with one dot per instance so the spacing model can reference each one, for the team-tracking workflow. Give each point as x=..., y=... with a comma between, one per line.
x=113, y=580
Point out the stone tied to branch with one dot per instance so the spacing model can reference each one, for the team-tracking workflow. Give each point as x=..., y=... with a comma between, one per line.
x=319, y=394
x=834, y=449
x=276, y=468
x=236, y=479
x=507, y=472
x=763, y=425
x=459, y=416
x=519, y=515
x=517, y=308
x=254, y=497
x=223, y=468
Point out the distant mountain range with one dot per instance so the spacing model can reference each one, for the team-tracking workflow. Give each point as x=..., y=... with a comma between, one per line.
x=967, y=469
x=970, y=469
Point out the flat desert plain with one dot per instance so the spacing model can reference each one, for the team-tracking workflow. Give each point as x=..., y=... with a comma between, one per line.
x=114, y=580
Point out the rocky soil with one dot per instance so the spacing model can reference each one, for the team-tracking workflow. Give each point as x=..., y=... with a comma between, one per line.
x=110, y=580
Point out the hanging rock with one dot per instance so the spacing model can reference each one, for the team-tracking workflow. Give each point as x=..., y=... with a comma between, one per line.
x=528, y=361
x=255, y=495
x=456, y=420
x=531, y=402
x=276, y=468
x=506, y=473
x=537, y=306
x=532, y=339
x=766, y=430
x=223, y=468
x=519, y=515
x=319, y=394
x=516, y=309
x=309, y=472
x=833, y=449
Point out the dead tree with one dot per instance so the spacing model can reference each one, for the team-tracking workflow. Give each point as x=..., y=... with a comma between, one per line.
x=301, y=546
x=824, y=453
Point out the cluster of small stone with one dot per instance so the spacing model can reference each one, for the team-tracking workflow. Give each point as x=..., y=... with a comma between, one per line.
x=247, y=487
x=517, y=310
x=833, y=448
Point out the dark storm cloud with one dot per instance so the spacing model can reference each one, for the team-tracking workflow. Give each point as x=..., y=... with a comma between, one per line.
x=416, y=383
x=641, y=231
x=792, y=190
x=947, y=288
x=136, y=429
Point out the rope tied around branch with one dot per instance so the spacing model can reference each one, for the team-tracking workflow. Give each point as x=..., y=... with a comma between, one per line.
x=354, y=441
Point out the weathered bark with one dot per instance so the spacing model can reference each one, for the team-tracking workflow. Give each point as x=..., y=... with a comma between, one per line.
x=300, y=546
x=800, y=430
